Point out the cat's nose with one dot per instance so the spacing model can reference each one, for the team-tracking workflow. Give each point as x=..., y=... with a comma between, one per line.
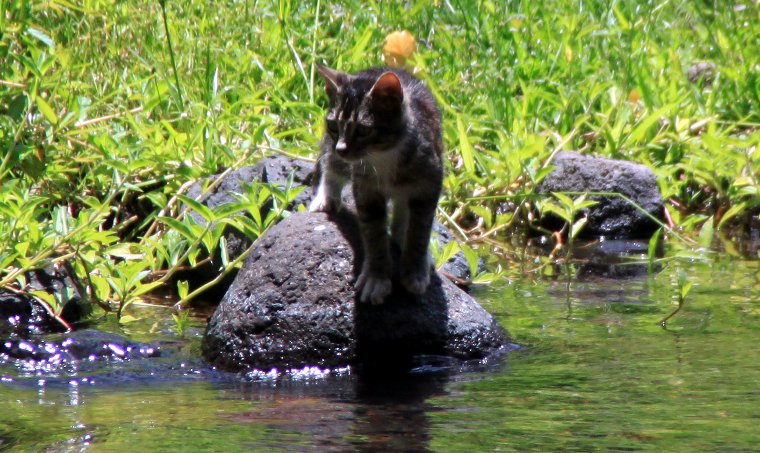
x=341, y=147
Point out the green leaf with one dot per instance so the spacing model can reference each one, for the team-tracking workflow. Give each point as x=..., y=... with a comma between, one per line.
x=198, y=207
x=360, y=48
x=180, y=227
x=46, y=297
x=183, y=288
x=706, y=233
x=146, y=288
x=542, y=173
x=654, y=241
x=732, y=212
x=644, y=125
x=564, y=200
x=125, y=250
x=549, y=207
x=485, y=213
x=61, y=226
x=126, y=319
x=471, y=256
x=41, y=36
x=224, y=252
x=46, y=110
x=684, y=290
x=465, y=148
x=578, y=226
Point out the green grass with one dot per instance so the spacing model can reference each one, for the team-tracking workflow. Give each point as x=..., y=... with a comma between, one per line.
x=102, y=114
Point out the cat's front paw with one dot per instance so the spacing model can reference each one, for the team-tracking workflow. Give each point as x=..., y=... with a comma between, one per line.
x=323, y=203
x=372, y=288
x=416, y=282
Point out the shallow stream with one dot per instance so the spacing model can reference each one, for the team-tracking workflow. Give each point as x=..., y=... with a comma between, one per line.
x=594, y=371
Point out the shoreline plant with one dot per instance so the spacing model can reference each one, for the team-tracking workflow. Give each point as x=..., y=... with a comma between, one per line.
x=109, y=110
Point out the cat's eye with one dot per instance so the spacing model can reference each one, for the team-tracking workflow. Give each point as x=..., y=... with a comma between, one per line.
x=362, y=130
x=332, y=126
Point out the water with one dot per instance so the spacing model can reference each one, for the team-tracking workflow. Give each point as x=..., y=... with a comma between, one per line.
x=596, y=372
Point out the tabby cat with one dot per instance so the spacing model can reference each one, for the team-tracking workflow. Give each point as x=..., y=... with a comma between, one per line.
x=383, y=132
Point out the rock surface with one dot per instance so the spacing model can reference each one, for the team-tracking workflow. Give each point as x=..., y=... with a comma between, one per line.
x=271, y=169
x=87, y=344
x=293, y=304
x=22, y=315
x=612, y=217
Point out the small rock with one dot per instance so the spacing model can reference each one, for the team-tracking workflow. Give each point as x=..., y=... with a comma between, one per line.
x=22, y=315
x=612, y=217
x=60, y=350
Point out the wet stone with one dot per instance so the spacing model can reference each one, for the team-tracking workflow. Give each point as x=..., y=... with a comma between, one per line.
x=293, y=304
x=64, y=350
x=612, y=217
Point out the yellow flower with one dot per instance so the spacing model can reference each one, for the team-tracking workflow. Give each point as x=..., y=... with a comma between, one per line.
x=399, y=47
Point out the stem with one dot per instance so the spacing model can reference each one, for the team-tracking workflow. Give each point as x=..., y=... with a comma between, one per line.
x=313, y=53
x=664, y=322
x=171, y=54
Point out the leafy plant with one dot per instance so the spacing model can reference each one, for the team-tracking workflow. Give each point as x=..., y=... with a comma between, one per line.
x=569, y=210
x=109, y=110
x=683, y=288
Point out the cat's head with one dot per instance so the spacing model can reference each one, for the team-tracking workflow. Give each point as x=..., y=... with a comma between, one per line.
x=366, y=111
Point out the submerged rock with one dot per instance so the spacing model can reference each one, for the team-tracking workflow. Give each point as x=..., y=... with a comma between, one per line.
x=62, y=351
x=612, y=217
x=293, y=304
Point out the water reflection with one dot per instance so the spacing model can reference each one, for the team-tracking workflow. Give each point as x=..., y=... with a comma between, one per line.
x=364, y=410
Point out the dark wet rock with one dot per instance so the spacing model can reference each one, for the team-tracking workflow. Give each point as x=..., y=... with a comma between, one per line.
x=89, y=345
x=293, y=304
x=271, y=169
x=274, y=170
x=22, y=315
x=612, y=217
x=457, y=265
x=614, y=258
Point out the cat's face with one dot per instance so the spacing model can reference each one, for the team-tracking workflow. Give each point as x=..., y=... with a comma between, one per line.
x=366, y=113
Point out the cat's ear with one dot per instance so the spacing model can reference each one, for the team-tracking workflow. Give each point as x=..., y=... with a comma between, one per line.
x=334, y=80
x=387, y=92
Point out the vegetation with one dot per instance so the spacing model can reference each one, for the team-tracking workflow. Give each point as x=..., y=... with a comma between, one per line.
x=108, y=110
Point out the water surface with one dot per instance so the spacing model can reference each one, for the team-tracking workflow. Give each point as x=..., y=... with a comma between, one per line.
x=596, y=372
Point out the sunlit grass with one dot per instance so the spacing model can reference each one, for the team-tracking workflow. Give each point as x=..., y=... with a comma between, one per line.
x=103, y=114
